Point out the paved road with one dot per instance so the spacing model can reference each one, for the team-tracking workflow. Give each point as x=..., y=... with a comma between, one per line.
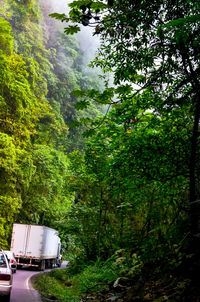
x=22, y=290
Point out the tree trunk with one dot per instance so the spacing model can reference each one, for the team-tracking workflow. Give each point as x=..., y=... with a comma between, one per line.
x=194, y=203
x=99, y=224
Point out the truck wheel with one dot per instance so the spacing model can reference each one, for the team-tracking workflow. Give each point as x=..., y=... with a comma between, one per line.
x=6, y=298
x=42, y=265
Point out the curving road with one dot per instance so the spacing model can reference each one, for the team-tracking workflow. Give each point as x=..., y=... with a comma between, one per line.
x=22, y=290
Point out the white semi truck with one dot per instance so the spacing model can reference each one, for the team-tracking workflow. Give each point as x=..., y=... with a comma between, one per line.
x=35, y=245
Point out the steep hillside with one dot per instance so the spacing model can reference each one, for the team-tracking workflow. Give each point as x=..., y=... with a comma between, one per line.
x=39, y=69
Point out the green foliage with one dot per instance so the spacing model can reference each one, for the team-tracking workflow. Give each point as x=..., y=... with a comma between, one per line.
x=141, y=159
x=11, y=172
x=19, y=111
x=183, y=21
x=83, y=4
x=48, y=285
x=70, y=30
x=61, y=17
x=64, y=286
x=47, y=198
x=6, y=38
x=33, y=174
x=21, y=12
x=137, y=159
x=125, y=192
x=98, y=275
x=80, y=13
x=72, y=74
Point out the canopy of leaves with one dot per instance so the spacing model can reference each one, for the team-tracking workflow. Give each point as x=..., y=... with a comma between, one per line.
x=143, y=157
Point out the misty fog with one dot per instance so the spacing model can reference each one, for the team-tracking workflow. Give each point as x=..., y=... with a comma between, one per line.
x=88, y=43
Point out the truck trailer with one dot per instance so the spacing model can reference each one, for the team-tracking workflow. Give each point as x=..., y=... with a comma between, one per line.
x=35, y=245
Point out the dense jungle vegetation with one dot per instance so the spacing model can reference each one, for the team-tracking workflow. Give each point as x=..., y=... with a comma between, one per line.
x=122, y=187
x=40, y=67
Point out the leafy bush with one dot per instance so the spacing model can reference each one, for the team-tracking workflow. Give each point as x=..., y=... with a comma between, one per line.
x=96, y=276
x=77, y=264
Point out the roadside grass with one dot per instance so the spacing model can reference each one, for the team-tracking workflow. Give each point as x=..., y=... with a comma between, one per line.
x=61, y=285
x=56, y=286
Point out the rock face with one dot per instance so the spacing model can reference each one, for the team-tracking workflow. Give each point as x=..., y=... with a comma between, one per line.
x=160, y=290
x=122, y=290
